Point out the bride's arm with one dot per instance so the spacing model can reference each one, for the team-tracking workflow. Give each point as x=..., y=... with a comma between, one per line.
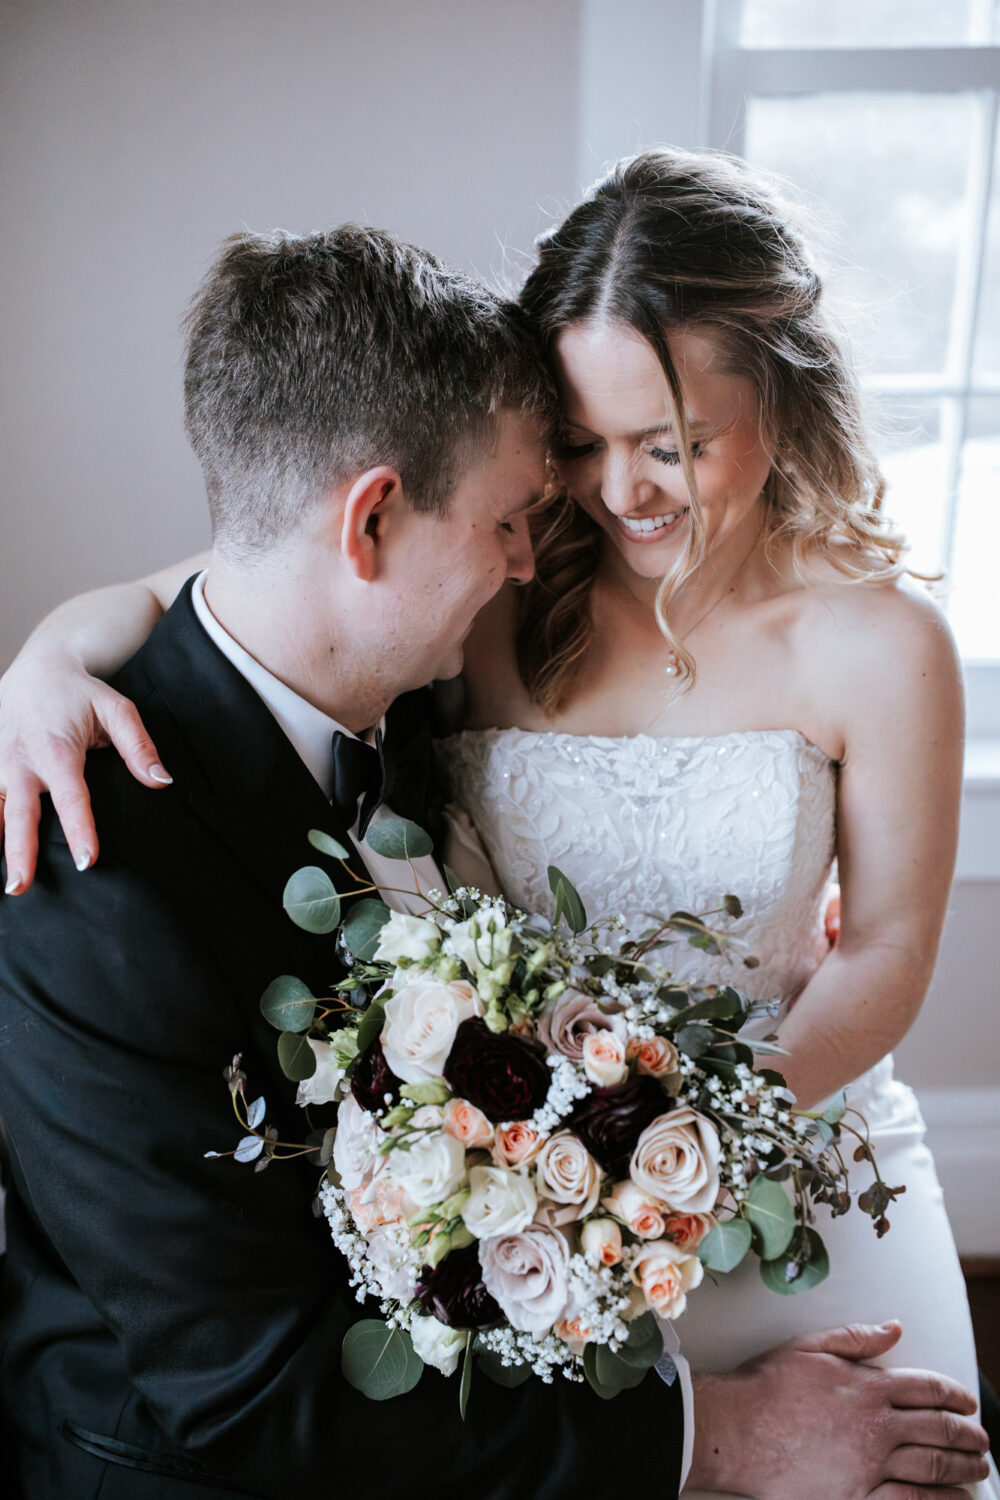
x=890, y=676
x=52, y=710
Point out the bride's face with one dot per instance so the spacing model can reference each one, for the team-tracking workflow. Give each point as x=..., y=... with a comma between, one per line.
x=618, y=456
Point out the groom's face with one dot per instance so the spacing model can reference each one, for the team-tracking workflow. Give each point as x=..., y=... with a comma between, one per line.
x=455, y=563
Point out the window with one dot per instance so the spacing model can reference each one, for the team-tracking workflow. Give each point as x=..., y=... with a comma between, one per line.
x=887, y=111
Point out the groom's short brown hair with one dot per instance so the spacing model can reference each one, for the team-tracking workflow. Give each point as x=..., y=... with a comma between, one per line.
x=312, y=358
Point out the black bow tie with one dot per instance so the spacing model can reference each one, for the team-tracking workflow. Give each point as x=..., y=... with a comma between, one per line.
x=370, y=773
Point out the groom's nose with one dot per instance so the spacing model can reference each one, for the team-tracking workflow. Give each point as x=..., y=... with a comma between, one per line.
x=520, y=556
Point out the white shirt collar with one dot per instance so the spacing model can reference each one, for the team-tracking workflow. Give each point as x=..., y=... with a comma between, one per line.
x=308, y=728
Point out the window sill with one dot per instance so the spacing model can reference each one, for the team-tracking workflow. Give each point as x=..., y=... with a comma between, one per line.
x=979, y=838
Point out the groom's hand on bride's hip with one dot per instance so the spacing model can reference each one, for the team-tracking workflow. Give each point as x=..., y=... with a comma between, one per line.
x=51, y=713
x=811, y=1420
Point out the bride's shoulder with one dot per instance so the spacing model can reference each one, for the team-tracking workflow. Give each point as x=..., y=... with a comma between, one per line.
x=873, y=640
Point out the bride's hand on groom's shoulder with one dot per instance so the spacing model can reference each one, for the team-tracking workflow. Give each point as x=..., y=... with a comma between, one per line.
x=813, y=1420
x=51, y=713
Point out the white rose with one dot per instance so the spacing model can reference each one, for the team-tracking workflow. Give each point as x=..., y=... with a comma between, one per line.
x=604, y=1058
x=437, y=1344
x=500, y=1202
x=665, y=1274
x=388, y=1252
x=566, y=1172
x=430, y=1170
x=676, y=1161
x=355, y=1146
x=420, y=1026
x=567, y=1023
x=407, y=937
x=527, y=1275
x=321, y=1088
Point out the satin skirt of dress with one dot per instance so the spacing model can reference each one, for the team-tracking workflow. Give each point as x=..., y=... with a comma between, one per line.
x=911, y=1274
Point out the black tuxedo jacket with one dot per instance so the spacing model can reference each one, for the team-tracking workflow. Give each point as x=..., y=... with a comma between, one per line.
x=172, y=1324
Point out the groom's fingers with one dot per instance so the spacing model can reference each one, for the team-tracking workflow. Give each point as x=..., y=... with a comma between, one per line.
x=894, y=1491
x=853, y=1341
x=20, y=807
x=923, y=1388
x=124, y=728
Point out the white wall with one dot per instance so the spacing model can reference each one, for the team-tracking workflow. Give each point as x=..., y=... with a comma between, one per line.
x=137, y=134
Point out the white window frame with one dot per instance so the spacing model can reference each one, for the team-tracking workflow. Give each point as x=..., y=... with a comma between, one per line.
x=733, y=74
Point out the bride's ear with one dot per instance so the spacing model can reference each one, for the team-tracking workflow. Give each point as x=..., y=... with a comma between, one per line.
x=371, y=499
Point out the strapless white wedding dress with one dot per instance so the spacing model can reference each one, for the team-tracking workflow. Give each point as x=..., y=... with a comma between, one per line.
x=652, y=825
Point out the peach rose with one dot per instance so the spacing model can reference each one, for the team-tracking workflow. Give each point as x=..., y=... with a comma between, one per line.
x=656, y=1056
x=676, y=1161
x=687, y=1230
x=604, y=1058
x=378, y=1204
x=467, y=1124
x=601, y=1241
x=516, y=1144
x=664, y=1275
x=633, y=1207
x=572, y=1332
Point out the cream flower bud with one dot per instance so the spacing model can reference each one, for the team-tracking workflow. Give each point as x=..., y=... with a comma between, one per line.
x=601, y=1242
x=604, y=1058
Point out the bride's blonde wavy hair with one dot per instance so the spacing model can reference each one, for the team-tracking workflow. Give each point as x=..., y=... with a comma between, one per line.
x=667, y=240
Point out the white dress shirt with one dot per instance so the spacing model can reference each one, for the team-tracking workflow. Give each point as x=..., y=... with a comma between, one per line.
x=311, y=732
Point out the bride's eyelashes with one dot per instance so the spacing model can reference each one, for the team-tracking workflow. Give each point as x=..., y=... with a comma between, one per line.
x=671, y=455
x=567, y=452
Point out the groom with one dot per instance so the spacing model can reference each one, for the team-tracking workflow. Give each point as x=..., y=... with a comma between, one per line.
x=372, y=429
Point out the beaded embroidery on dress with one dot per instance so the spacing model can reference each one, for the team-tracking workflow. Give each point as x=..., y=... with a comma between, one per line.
x=643, y=824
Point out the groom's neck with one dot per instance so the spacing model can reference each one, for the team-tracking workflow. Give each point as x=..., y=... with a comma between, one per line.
x=293, y=624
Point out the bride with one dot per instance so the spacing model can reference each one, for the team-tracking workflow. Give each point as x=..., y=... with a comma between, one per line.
x=716, y=682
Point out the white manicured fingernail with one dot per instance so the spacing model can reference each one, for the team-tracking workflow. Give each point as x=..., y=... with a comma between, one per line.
x=157, y=773
x=83, y=859
x=13, y=884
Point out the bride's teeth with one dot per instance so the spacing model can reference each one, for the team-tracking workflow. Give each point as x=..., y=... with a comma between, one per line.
x=650, y=523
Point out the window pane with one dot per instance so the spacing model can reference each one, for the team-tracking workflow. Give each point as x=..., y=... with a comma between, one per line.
x=862, y=23
x=973, y=602
x=987, y=360
x=908, y=444
x=893, y=170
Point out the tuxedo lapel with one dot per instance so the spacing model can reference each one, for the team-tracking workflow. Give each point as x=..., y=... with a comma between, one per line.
x=238, y=770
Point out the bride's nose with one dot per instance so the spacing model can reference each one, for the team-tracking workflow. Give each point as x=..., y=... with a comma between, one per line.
x=623, y=488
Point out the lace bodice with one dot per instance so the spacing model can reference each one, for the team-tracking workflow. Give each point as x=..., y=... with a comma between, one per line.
x=652, y=825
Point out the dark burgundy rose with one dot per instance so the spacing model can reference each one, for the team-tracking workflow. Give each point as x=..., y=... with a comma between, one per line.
x=373, y=1078
x=504, y=1075
x=609, y=1121
x=453, y=1291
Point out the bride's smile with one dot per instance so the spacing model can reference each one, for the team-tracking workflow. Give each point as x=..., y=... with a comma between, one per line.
x=619, y=454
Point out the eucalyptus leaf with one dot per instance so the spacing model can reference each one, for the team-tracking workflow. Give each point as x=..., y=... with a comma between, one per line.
x=509, y=1376
x=249, y=1148
x=724, y=1247
x=255, y=1113
x=645, y=1343
x=721, y=1007
x=694, y=1040
x=288, y=1004
x=789, y=1276
x=609, y=1374
x=298, y=1062
x=310, y=899
x=836, y=1109
x=379, y=1361
x=771, y=1215
x=362, y=926
x=327, y=845
x=370, y=1025
x=568, y=903
x=398, y=838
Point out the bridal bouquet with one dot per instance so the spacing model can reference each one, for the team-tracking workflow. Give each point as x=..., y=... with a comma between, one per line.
x=543, y=1139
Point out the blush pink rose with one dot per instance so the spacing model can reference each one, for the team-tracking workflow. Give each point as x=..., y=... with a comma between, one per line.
x=604, y=1059
x=634, y=1208
x=517, y=1144
x=665, y=1275
x=687, y=1230
x=467, y=1124
x=656, y=1056
x=676, y=1161
x=527, y=1274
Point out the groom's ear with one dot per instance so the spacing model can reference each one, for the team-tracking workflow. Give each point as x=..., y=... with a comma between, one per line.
x=371, y=499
